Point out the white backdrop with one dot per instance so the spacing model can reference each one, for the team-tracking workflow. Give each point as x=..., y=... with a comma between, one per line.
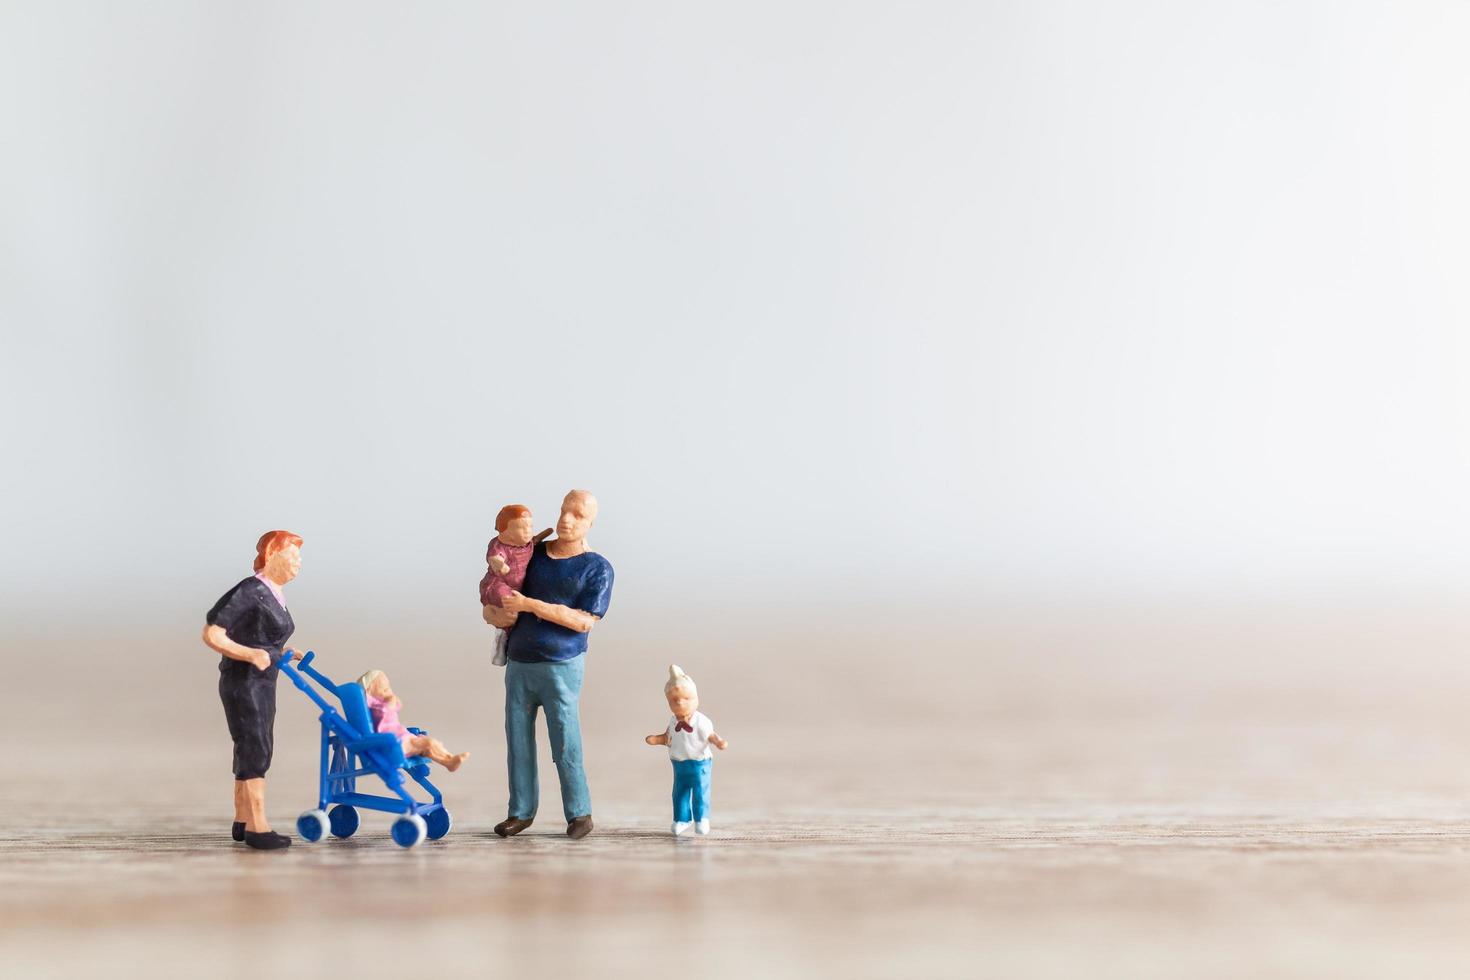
x=836, y=303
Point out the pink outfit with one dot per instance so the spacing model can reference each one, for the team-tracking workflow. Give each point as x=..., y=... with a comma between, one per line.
x=494, y=588
x=281, y=596
x=385, y=719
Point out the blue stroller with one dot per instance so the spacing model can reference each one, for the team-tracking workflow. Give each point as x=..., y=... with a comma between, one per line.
x=350, y=748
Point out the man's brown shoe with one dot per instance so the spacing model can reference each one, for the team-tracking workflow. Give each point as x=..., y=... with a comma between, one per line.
x=580, y=827
x=511, y=826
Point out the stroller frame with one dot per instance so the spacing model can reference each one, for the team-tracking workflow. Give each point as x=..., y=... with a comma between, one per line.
x=349, y=749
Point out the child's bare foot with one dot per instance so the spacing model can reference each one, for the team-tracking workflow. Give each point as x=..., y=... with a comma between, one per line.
x=455, y=761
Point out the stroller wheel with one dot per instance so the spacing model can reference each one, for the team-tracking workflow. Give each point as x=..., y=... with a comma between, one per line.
x=438, y=823
x=343, y=819
x=408, y=830
x=312, y=826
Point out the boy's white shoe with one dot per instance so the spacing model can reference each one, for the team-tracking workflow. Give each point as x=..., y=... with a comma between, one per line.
x=702, y=827
x=681, y=827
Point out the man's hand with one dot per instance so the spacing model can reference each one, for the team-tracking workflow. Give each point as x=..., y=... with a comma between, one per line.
x=551, y=612
x=261, y=660
x=498, y=617
x=499, y=565
x=292, y=653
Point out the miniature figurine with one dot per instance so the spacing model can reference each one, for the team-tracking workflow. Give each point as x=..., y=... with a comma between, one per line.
x=507, y=557
x=350, y=748
x=689, y=736
x=566, y=592
x=249, y=627
x=383, y=706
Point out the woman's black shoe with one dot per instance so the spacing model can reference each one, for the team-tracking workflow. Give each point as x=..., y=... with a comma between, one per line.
x=268, y=841
x=237, y=830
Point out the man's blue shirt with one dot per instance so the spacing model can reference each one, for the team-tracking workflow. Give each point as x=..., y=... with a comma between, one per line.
x=582, y=582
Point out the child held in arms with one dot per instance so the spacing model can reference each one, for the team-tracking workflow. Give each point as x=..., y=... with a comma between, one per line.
x=689, y=736
x=507, y=557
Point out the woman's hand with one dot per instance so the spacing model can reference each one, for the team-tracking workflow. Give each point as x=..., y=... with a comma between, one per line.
x=217, y=640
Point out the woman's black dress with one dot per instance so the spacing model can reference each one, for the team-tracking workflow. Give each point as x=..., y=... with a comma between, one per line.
x=251, y=616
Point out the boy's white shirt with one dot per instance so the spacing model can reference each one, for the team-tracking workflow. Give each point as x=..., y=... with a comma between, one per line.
x=684, y=746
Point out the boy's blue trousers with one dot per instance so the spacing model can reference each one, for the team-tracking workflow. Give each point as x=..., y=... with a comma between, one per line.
x=691, y=789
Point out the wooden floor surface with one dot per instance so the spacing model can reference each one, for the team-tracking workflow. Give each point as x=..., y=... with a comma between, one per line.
x=1039, y=798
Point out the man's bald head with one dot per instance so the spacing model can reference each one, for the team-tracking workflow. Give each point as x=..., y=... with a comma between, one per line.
x=578, y=511
x=582, y=496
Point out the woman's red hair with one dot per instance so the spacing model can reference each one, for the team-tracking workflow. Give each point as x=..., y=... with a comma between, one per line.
x=271, y=542
x=509, y=513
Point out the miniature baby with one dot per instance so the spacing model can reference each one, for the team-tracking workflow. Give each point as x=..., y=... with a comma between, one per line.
x=383, y=706
x=689, y=736
x=508, y=555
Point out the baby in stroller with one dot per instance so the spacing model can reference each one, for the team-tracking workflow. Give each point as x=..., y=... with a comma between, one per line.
x=383, y=706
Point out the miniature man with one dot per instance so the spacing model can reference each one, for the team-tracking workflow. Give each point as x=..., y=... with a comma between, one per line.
x=689, y=736
x=566, y=592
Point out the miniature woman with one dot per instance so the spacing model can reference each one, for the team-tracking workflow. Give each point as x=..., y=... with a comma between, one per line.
x=689, y=736
x=249, y=627
x=384, y=705
x=507, y=557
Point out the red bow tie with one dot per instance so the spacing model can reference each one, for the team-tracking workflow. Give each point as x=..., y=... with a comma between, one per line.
x=684, y=726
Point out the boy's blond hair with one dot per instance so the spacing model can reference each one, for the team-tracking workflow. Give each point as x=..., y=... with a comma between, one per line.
x=677, y=678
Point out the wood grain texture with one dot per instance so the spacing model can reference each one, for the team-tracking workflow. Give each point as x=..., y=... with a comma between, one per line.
x=1042, y=796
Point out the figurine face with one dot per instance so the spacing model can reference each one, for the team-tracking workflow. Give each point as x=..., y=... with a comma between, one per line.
x=283, y=564
x=683, y=702
x=379, y=687
x=578, y=511
x=518, y=531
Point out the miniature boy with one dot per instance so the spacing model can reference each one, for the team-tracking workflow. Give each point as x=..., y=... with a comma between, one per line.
x=383, y=706
x=689, y=736
x=507, y=557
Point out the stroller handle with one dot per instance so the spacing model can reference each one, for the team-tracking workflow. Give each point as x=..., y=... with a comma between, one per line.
x=285, y=664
